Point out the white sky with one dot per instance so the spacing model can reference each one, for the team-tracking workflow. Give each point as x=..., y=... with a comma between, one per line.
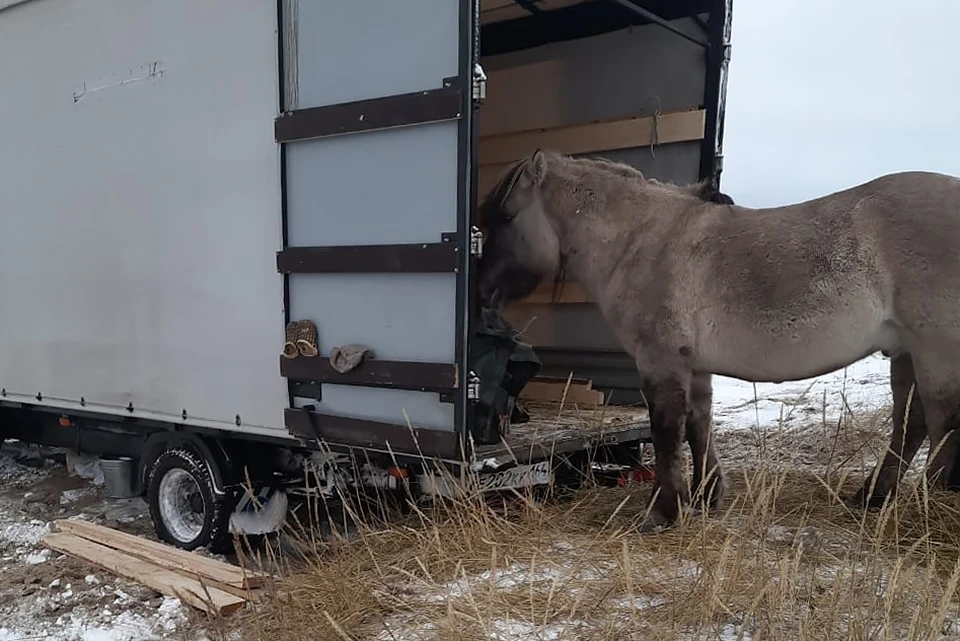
x=825, y=94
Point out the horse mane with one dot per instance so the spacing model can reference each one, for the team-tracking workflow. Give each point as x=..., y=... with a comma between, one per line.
x=490, y=207
x=705, y=190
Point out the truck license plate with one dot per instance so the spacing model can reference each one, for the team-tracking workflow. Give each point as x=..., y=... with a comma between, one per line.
x=516, y=477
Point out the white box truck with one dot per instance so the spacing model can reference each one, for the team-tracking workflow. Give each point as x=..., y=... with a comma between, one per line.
x=181, y=180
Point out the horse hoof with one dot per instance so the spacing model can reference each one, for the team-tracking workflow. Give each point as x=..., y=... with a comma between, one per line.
x=691, y=510
x=860, y=501
x=651, y=525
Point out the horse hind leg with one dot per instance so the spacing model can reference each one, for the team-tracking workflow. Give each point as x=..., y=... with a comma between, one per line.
x=908, y=434
x=708, y=482
x=938, y=386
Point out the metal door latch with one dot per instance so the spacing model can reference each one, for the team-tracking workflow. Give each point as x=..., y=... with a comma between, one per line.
x=479, y=84
x=473, y=386
x=476, y=241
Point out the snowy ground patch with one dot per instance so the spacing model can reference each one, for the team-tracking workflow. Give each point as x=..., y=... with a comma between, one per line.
x=46, y=595
x=862, y=387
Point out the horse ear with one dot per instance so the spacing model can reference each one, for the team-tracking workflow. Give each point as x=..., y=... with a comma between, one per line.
x=538, y=162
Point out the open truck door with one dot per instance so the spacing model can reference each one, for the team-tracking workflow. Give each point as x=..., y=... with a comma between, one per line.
x=378, y=147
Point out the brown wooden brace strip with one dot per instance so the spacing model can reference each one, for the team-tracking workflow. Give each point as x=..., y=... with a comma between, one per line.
x=434, y=105
x=345, y=259
x=409, y=375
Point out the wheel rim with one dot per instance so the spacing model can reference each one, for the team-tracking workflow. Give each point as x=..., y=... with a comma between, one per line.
x=181, y=505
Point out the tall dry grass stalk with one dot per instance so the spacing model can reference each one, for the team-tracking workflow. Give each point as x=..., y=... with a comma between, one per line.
x=786, y=559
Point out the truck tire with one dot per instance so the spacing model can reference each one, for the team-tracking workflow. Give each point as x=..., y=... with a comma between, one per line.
x=186, y=511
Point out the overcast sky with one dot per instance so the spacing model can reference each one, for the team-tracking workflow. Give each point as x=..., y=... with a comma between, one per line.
x=825, y=94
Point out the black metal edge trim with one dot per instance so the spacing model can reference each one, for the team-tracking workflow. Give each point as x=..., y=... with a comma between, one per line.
x=346, y=259
x=401, y=110
x=715, y=90
x=314, y=426
x=146, y=426
x=529, y=6
x=578, y=21
x=407, y=375
x=284, y=226
x=638, y=8
x=467, y=154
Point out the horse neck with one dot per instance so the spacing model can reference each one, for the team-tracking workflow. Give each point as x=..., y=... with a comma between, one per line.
x=594, y=235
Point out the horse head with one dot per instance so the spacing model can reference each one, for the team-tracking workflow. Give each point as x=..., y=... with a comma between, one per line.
x=524, y=220
x=521, y=247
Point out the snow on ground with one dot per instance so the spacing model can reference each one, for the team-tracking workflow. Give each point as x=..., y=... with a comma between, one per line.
x=46, y=595
x=865, y=386
x=663, y=574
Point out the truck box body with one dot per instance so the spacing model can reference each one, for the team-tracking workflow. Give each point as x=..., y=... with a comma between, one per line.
x=182, y=179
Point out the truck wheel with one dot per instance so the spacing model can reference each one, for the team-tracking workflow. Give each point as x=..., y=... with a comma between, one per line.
x=186, y=511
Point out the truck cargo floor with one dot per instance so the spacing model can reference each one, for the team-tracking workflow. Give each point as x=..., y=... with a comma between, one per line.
x=552, y=431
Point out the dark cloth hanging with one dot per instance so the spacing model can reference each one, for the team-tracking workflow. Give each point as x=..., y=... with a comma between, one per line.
x=504, y=365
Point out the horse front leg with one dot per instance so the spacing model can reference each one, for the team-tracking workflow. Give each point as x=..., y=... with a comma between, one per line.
x=708, y=482
x=668, y=415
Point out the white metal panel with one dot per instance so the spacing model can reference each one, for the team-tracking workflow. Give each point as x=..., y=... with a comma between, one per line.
x=357, y=49
x=139, y=212
x=391, y=186
x=420, y=409
x=401, y=317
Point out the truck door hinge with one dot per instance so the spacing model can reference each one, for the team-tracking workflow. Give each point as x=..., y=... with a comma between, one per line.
x=476, y=241
x=479, y=84
x=473, y=386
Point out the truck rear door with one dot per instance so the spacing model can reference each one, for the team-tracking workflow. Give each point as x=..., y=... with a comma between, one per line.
x=377, y=151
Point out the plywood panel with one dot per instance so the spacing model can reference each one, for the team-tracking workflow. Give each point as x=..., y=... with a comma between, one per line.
x=679, y=126
x=497, y=152
x=612, y=76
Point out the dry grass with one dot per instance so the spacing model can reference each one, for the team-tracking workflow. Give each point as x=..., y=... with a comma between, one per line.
x=785, y=560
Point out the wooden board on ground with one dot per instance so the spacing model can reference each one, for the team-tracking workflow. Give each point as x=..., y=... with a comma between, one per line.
x=208, y=598
x=165, y=555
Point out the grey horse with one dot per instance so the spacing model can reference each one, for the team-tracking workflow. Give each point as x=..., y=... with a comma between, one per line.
x=694, y=285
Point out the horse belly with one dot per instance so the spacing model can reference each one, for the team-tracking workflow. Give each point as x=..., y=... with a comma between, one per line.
x=776, y=352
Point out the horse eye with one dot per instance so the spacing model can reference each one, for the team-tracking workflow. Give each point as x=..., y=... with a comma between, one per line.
x=507, y=216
